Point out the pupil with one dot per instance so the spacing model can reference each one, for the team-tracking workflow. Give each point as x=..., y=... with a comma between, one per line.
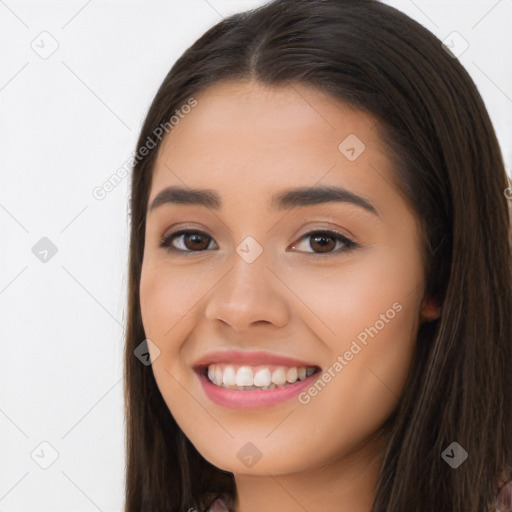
x=195, y=238
x=324, y=242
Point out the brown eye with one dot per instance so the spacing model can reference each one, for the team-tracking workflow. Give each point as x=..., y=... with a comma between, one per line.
x=321, y=242
x=189, y=241
x=324, y=242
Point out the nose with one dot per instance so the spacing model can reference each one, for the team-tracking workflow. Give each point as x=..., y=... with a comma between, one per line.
x=249, y=294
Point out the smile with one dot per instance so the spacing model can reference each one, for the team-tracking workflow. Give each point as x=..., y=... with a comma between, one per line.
x=253, y=379
x=262, y=377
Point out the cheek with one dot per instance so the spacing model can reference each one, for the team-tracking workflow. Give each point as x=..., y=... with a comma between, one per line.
x=369, y=366
x=372, y=313
x=166, y=297
x=344, y=300
x=362, y=383
x=366, y=313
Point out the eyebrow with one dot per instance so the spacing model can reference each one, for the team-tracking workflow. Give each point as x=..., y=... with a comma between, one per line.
x=298, y=197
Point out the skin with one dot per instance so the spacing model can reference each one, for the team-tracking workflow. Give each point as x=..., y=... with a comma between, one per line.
x=247, y=142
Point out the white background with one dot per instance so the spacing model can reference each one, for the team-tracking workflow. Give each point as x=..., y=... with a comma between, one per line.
x=67, y=123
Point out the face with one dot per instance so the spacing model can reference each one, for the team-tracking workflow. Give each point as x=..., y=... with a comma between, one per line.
x=314, y=298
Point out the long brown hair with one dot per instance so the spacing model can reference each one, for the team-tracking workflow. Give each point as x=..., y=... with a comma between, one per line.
x=449, y=167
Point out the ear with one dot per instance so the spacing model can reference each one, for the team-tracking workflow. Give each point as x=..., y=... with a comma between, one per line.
x=429, y=310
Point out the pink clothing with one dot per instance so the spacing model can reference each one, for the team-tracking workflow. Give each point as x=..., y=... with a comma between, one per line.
x=504, y=500
x=218, y=506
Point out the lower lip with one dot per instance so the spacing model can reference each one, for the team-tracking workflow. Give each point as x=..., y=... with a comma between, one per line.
x=253, y=399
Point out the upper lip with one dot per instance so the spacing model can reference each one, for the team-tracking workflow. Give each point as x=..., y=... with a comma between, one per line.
x=251, y=358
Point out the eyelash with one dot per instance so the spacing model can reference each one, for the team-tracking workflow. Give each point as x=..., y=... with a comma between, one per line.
x=166, y=241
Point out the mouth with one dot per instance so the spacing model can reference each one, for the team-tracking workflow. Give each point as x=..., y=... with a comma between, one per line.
x=253, y=380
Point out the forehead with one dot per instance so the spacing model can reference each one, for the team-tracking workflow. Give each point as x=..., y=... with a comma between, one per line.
x=253, y=137
x=255, y=113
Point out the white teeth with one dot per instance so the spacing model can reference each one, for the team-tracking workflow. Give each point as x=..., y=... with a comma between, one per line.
x=260, y=377
x=292, y=375
x=229, y=377
x=218, y=375
x=279, y=376
x=244, y=376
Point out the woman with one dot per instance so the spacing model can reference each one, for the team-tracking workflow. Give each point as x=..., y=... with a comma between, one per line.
x=320, y=273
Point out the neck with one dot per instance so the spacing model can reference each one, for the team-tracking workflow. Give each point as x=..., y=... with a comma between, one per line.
x=345, y=484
